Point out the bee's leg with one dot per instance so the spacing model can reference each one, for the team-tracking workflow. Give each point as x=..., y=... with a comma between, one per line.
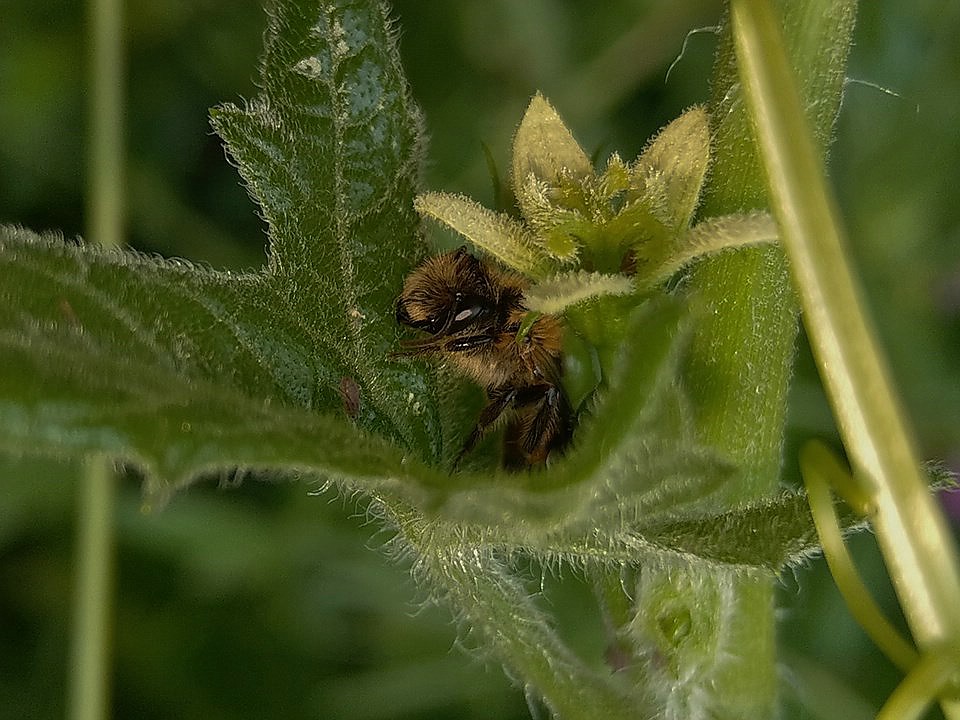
x=434, y=345
x=468, y=343
x=543, y=425
x=551, y=425
x=499, y=401
x=417, y=348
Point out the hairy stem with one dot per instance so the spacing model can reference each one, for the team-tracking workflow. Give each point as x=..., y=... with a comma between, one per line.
x=742, y=354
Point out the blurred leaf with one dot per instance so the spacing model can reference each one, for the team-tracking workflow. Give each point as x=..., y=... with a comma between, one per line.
x=489, y=597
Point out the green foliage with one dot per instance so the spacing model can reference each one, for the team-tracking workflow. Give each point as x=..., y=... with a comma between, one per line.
x=187, y=372
x=330, y=151
x=158, y=362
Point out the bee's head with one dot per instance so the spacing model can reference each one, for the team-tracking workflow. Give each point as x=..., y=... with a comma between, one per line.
x=446, y=294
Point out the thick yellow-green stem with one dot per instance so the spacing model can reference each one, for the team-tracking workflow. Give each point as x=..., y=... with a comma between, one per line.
x=911, y=531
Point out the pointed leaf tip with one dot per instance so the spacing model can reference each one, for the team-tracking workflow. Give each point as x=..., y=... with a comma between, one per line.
x=712, y=236
x=674, y=165
x=545, y=147
x=496, y=233
x=555, y=295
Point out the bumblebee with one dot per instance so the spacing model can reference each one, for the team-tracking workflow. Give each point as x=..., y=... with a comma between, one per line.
x=476, y=320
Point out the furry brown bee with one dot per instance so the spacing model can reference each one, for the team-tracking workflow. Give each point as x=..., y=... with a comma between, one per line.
x=475, y=315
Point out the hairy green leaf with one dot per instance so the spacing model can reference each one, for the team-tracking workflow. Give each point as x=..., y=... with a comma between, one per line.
x=184, y=370
x=553, y=296
x=330, y=150
x=674, y=167
x=713, y=235
x=545, y=149
x=497, y=234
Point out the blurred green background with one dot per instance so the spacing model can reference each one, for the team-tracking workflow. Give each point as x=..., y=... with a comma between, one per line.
x=267, y=601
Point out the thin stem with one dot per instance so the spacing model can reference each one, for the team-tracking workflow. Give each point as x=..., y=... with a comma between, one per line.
x=916, y=693
x=105, y=214
x=821, y=470
x=89, y=668
x=91, y=631
x=912, y=533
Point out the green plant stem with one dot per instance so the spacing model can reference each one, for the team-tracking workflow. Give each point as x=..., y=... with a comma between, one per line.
x=89, y=668
x=914, y=696
x=821, y=471
x=488, y=597
x=105, y=214
x=912, y=534
x=89, y=688
x=742, y=352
